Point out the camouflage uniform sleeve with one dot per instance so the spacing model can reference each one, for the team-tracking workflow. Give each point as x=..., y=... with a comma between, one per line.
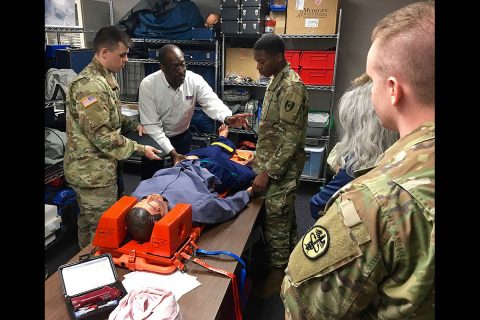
x=292, y=104
x=93, y=105
x=375, y=253
x=333, y=263
x=128, y=124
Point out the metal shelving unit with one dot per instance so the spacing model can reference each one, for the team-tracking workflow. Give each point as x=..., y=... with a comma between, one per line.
x=331, y=89
x=165, y=41
x=208, y=43
x=188, y=63
x=264, y=84
x=156, y=43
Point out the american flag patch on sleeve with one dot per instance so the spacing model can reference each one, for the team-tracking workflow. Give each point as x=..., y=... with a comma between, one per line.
x=88, y=100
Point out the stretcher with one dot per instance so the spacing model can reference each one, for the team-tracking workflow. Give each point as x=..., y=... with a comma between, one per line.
x=171, y=245
x=173, y=236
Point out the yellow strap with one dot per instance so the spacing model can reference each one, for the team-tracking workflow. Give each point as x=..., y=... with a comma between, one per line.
x=223, y=145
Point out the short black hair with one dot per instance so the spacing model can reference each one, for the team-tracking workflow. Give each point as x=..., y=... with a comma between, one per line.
x=140, y=223
x=271, y=43
x=109, y=37
x=165, y=50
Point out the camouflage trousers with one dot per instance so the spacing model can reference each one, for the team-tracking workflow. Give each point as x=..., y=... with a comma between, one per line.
x=280, y=225
x=92, y=202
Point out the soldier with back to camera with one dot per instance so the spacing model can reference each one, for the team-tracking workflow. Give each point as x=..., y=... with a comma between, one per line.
x=372, y=255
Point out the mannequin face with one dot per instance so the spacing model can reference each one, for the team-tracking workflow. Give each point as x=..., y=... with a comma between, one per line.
x=155, y=204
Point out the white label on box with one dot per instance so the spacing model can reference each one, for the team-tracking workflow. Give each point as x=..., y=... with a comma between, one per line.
x=299, y=4
x=311, y=23
x=88, y=275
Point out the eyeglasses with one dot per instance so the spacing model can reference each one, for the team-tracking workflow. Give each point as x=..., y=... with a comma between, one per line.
x=176, y=66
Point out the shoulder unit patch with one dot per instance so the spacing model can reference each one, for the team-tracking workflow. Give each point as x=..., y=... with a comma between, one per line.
x=289, y=105
x=88, y=101
x=315, y=242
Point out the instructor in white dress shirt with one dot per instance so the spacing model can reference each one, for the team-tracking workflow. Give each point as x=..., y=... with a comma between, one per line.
x=167, y=101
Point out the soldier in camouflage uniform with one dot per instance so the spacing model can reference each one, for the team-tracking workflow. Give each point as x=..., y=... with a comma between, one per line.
x=280, y=155
x=372, y=255
x=94, y=125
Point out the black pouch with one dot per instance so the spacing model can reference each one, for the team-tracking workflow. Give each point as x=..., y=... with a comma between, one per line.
x=91, y=287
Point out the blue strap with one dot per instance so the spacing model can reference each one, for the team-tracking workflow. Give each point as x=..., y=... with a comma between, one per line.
x=243, y=272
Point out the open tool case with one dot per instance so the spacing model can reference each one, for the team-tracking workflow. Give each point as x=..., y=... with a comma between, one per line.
x=91, y=287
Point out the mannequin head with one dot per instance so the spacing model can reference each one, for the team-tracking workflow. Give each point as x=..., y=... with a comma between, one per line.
x=142, y=217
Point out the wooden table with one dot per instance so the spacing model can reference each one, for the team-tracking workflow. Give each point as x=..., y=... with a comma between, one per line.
x=213, y=298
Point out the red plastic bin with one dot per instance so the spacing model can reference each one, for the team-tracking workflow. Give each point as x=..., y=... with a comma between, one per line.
x=317, y=59
x=317, y=76
x=293, y=56
x=297, y=70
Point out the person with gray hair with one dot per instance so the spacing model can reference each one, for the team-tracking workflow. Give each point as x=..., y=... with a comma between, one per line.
x=362, y=144
x=372, y=254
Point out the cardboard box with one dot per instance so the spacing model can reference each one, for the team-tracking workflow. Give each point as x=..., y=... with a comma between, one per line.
x=280, y=18
x=312, y=17
x=240, y=61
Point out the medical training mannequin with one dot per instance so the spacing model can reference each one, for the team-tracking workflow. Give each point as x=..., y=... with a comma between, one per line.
x=142, y=217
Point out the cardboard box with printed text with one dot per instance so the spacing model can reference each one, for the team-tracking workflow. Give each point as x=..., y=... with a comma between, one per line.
x=312, y=17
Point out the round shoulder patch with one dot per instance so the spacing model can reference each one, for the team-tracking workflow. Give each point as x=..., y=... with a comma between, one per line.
x=315, y=242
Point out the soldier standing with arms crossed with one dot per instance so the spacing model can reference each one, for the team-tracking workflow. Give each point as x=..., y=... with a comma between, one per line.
x=372, y=255
x=280, y=155
x=94, y=127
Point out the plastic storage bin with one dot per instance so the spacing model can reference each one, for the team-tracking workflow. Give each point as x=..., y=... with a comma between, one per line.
x=314, y=161
x=317, y=76
x=207, y=72
x=199, y=55
x=230, y=26
x=293, y=56
x=75, y=59
x=317, y=59
x=317, y=122
x=51, y=48
x=203, y=34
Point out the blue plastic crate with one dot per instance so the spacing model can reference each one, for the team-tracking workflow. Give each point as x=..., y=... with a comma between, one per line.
x=203, y=34
x=278, y=6
x=51, y=48
x=153, y=53
x=207, y=72
x=75, y=59
x=199, y=55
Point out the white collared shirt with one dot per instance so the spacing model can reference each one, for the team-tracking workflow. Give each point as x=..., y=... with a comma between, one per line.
x=172, y=110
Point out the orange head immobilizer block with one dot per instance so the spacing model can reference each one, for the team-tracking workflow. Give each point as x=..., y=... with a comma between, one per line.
x=171, y=234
